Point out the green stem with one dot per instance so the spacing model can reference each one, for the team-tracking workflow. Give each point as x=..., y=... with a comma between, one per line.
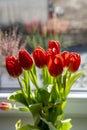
x=44, y=75
x=66, y=77
x=28, y=87
x=20, y=85
x=64, y=84
x=22, y=90
x=59, y=86
x=35, y=83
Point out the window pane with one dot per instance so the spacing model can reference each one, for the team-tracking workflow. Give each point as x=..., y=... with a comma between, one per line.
x=6, y=80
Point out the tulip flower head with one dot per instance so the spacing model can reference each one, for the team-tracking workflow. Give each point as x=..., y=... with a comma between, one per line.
x=39, y=56
x=5, y=106
x=55, y=65
x=52, y=44
x=25, y=59
x=13, y=66
x=74, y=62
x=65, y=55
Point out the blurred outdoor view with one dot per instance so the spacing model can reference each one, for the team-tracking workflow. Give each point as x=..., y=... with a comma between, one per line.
x=28, y=23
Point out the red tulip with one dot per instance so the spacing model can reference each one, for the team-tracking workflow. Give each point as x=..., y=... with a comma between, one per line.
x=13, y=66
x=25, y=59
x=54, y=45
x=39, y=56
x=74, y=62
x=65, y=56
x=55, y=65
x=50, y=53
x=5, y=106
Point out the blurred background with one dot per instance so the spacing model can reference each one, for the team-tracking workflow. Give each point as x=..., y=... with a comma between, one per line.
x=26, y=24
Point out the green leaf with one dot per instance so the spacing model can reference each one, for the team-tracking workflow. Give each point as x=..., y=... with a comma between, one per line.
x=25, y=79
x=27, y=127
x=72, y=80
x=50, y=125
x=18, y=97
x=47, y=78
x=34, y=69
x=35, y=110
x=65, y=125
x=26, y=83
x=49, y=88
x=33, y=76
x=53, y=94
x=18, y=125
x=55, y=112
x=24, y=109
x=43, y=96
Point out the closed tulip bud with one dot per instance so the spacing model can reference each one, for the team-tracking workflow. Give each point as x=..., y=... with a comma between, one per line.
x=54, y=45
x=13, y=66
x=25, y=59
x=74, y=62
x=55, y=65
x=39, y=56
x=5, y=106
x=65, y=56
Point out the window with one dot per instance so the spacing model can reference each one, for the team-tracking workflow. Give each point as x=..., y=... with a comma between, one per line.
x=74, y=39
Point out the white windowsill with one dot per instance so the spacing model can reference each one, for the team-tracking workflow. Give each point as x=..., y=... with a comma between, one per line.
x=74, y=95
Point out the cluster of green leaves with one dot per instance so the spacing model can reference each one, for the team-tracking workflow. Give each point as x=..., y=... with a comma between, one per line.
x=46, y=102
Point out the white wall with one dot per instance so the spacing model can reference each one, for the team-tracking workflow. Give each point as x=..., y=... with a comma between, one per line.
x=22, y=10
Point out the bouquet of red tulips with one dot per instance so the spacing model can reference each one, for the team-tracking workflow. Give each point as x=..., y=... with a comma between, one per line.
x=47, y=101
